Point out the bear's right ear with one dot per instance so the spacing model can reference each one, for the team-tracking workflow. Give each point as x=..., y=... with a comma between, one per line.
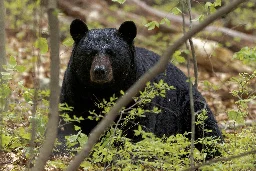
x=78, y=29
x=128, y=31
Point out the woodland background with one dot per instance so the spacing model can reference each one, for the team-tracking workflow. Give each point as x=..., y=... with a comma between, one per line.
x=159, y=24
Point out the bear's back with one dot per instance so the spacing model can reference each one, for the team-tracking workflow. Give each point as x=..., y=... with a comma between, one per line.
x=145, y=59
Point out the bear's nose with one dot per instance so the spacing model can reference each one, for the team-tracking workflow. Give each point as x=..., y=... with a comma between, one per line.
x=100, y=71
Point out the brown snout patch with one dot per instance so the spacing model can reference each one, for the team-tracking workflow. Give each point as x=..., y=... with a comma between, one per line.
x=101, y=69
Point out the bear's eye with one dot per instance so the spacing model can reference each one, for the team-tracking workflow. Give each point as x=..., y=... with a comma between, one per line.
x=90, y=52
x=109, y=52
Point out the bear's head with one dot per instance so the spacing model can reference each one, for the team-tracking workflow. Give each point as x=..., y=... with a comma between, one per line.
x=102, y=56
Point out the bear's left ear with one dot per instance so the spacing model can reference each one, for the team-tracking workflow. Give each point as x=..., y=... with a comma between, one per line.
x=128, y=31
x=78, y=29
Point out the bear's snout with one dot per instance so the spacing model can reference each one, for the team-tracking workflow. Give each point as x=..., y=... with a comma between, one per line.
x=101, y=70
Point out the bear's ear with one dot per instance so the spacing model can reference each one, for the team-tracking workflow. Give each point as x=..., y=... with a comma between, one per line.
x=128, y=31
x=78, y=29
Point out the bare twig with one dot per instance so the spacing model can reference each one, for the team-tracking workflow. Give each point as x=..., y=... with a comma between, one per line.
x=34, y=107
x=2, y=62
x=191, y=99
x=192, y=45
x=140, y=84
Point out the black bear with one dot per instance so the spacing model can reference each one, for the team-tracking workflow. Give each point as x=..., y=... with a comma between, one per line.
x=105, y=61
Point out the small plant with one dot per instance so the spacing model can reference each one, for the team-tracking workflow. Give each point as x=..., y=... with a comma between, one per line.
x=243, y=82
x=22, y=12
x=115, y=151
x=17, y=116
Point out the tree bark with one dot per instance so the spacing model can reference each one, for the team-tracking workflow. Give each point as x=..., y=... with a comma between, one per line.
x=140, y=84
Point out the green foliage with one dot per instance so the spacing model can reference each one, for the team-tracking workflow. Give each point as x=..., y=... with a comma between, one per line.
x=22, y=12
x=210, y=86
x=243, y=82
x=244, y=94
x=236, y=144
x=150, y=153
x=177, y=57
x=118, y=152
x=243, y=15
x=68, y=42
x=18, y=133
x=114, y=151
x=211, y=6
x=151, y=25
x=247, y=56
x=5, y=90
x=42, y=45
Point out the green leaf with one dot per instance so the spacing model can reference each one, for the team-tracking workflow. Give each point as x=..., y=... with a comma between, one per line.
x=176, y=11
x=165, y=21
x=7, y=77
x=6, y=140
x=42, y=45
x=217, y=3
x=151, y=25
x=5, y=73
x=87, y=165
x=200, y=18
x=20, y=68
x=68, y=42
x=77, y=128
x=24, y=133
x=236, y=116
x=12, y=61
x=177, y=58
x=139, y=128
x=208, y=4
x=119, y=1
x=82, y=138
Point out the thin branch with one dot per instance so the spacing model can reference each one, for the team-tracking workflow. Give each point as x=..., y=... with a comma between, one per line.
x=191, y=99
x=35, y=101
x=2, y=62
x=192, y=45
x=51, y=132
x=140, y=84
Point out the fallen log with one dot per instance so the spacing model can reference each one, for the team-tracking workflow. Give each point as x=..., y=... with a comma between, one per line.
x=221, y=34
x=210, y=55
